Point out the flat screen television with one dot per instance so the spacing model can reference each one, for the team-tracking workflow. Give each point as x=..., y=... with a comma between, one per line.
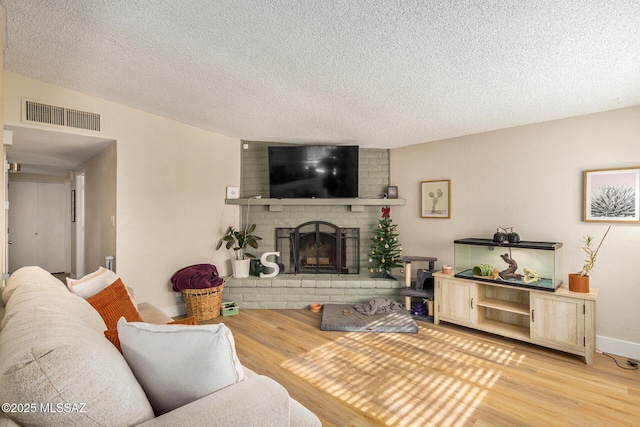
x=308, y=171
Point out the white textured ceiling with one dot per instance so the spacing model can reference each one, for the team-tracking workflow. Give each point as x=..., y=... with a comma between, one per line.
x=374, y=73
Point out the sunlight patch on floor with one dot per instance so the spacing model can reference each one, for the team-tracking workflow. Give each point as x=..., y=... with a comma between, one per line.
x=406, y=379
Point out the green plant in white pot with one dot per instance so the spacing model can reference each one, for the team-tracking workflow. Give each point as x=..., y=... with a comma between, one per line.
x=238, y=240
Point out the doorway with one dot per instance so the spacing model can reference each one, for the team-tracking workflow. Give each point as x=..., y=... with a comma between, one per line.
x=49, y=155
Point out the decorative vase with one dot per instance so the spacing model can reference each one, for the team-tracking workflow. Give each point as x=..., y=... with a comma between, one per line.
x=241, y=268
x=578, y=283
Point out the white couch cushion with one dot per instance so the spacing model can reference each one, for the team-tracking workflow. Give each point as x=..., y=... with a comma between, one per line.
x=30, y=274
x=47, y=356
x=177, y=364
x=51, y=294
x=53, y=351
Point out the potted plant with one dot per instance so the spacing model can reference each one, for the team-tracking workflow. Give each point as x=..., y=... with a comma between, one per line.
x=238, y=240
x=579, y=282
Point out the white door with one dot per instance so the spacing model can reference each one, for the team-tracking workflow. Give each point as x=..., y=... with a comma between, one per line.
x=23, y=224
x=37, y=215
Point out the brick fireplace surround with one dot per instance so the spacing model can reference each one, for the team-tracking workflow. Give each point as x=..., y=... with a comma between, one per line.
x=298, y=291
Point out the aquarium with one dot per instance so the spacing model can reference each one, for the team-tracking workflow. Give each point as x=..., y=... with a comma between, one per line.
x=534, y=265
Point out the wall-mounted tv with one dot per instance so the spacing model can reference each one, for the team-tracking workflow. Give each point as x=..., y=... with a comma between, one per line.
x=307, y=171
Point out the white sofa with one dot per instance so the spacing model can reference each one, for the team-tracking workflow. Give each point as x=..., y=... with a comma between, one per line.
x=58, y=369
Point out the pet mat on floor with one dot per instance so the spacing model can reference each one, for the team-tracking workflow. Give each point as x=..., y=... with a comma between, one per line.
x=343, y=317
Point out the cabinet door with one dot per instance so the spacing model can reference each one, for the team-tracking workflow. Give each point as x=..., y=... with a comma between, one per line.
x=558, y=321
x=456, y=301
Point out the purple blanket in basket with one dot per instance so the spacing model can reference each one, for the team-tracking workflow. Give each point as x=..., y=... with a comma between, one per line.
x=198, y=276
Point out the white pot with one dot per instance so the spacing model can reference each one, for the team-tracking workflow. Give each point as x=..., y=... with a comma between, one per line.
x=241, y=267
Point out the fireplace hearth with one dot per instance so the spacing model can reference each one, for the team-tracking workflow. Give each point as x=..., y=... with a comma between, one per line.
x=318, y=247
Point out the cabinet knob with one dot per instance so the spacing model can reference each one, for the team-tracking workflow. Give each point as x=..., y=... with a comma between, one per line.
x=533, y=315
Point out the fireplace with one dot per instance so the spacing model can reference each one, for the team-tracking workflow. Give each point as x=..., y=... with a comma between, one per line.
x=318, y=247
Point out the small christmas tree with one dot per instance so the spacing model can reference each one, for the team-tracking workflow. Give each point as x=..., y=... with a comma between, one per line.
x=386, y=252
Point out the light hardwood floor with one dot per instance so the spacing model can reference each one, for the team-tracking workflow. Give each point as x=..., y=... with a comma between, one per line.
x=442, y=376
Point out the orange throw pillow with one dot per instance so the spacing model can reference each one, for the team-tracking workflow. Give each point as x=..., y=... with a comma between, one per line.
x=112, y=335
x=186, y=321
x=112, y=303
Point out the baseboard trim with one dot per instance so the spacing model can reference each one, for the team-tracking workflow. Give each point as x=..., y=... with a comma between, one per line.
x=618, y=347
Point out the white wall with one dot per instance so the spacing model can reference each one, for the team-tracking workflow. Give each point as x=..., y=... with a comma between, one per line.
x=171, y=181
x=530, y=177
x=100, y=183
x=3, y=175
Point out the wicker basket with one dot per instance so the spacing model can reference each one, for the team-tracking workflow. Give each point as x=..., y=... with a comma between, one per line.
x=203, y=304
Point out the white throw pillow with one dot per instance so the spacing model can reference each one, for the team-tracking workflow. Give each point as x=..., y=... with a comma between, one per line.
x=178, y=364
x=93, y=283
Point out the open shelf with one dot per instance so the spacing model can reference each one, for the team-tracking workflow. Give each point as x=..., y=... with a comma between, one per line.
x=512, y=307
x=505, y=329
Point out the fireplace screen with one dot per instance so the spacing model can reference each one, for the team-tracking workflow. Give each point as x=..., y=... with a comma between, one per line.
x=318, y=247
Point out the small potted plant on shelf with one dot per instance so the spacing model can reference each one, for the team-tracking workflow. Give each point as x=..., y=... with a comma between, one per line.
x=238, y=240
x=579, y=282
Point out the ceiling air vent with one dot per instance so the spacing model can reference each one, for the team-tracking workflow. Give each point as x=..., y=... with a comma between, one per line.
x=36, y=112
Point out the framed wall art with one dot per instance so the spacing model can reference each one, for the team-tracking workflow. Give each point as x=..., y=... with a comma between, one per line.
x=435, y=199
x=611, y=195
